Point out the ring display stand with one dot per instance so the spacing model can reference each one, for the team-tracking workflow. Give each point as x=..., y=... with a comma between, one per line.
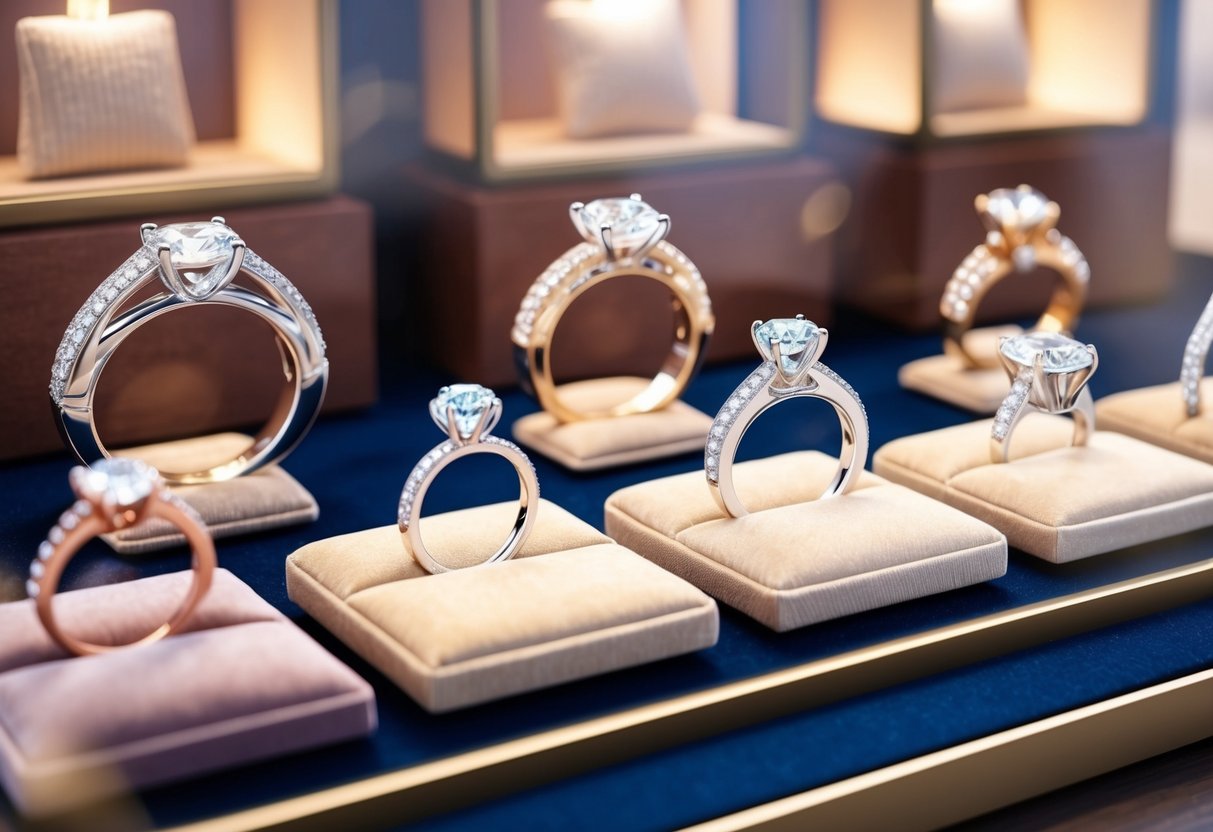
x=1052, y=500
x=571, y=604
x=595, y=444
x=241, y=683
x=1157, y=415
x=269, y=498
x=796, y=560
x=945, y=377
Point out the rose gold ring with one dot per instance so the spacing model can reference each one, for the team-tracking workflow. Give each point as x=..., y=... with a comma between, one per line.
x=1022, y=236
x=116, y=494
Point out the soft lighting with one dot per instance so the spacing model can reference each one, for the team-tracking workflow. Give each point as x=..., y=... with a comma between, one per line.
x=627, y=10
x=88, y=9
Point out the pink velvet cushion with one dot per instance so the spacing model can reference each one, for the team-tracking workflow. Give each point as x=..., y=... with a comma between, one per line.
x=242, y=683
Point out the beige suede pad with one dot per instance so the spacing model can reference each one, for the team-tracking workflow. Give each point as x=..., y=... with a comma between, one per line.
x=269, y=498
x=241, y=683
x=797, y=560
x=1157, y=415
x=605, y=443
x=946, y=378
x=571, y=604
x=1051, y=500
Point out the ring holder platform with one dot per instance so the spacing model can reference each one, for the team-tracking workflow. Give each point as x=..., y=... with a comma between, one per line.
x=1051, y=500
x=571, y=604
x=240, y=683
x=268, y=498
x=594, y=444
x=796, y=560
x=945, y=377
x=1157, y=415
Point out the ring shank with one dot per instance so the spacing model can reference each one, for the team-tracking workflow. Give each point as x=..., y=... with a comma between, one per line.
x=1082, y=413
x=524, y=521
x=203, y=562
x=692, y=329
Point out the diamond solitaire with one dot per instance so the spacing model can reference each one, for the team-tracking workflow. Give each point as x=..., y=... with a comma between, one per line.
x=467, y=404
x=623, y=226
x=196, y=245
x=795, y=338
x=1059, y=354
x=1022, y=209
x=118, y=482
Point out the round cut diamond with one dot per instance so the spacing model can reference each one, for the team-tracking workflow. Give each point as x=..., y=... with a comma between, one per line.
x=121, y=482
x=795, y=336
x=196, y=245
x=631, y=221
x=1019, y=209
x=1060, y=354
x=466, y=401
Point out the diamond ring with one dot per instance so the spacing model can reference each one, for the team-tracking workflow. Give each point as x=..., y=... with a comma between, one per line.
x=790, y=348
x=196, y=262
x=1021, y=237
x=467, y=413
x=1196, y=353
x=623, y=236
x=1049, y=372
x=115, y=494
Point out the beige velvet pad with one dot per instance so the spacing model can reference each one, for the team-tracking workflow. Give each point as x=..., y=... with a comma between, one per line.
x=605, y=443
x=797, y=560
x=241, y=683
x=571, y=604
x=1157, y=415
x=944, y=377
x=269, y=498
x=1051, y=500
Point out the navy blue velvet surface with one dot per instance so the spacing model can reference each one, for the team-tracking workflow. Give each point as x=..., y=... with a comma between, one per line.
x=355, y=465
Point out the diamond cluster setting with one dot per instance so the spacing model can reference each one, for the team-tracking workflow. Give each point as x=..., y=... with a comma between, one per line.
x=570, y=272
x=412, y=486
x=1195, y=352
x=1022, y=209
x=118, y=287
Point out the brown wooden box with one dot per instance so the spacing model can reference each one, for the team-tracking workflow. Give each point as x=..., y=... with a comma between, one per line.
x=913, y=219
x=760, y=234
x=184, y=374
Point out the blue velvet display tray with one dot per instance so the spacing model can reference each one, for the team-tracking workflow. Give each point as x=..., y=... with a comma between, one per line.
x=355, y=466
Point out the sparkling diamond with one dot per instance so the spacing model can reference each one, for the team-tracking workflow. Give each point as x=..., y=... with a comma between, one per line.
x=795, y=336
x=632, y=222
x=45, y=549
x=37, y=569
x=196, y=245
x=121, y=482
x=466, y=401
x=31, y=588
x=1061, y=354
x=1020, y=209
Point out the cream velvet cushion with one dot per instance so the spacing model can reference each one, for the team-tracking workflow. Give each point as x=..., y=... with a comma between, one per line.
x=268, y=498
x=1054, y=501
x=1157, y=415
x=797, y=560
x=570, y=604
x=945, y=377
x=621, y=67
x=981, y=55
x=101, y=95
x=601, y=443
x=240, y=683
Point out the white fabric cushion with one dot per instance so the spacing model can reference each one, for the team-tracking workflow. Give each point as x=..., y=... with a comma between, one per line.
x=622, y=67
x=101, y=95
x=980, y=55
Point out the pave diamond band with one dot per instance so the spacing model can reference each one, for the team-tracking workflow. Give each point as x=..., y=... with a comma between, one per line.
x=1021, y=237
x=116, y=494
x=195, y=265
x=790, y=348
x=622, y=237
x=1196, y=353
x=466, y=413
x=1049, y=373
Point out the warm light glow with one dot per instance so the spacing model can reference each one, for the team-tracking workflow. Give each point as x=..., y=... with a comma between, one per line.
x=958, y=9
x=88, y=9
x=629, y=10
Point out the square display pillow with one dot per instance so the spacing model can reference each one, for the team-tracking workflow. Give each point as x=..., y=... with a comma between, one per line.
x=980, y=55
x=621, y=67
x=101, y=94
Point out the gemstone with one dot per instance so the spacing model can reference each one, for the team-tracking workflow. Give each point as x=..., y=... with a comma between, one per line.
x=196, y=245
x=117, y=481
x=632, y=222
x=1061, y=354
x=1020, y=209
x=466, y=401
x=795, y=336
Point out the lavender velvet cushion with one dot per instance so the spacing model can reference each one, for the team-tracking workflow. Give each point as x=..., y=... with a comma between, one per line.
x=241, y=683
